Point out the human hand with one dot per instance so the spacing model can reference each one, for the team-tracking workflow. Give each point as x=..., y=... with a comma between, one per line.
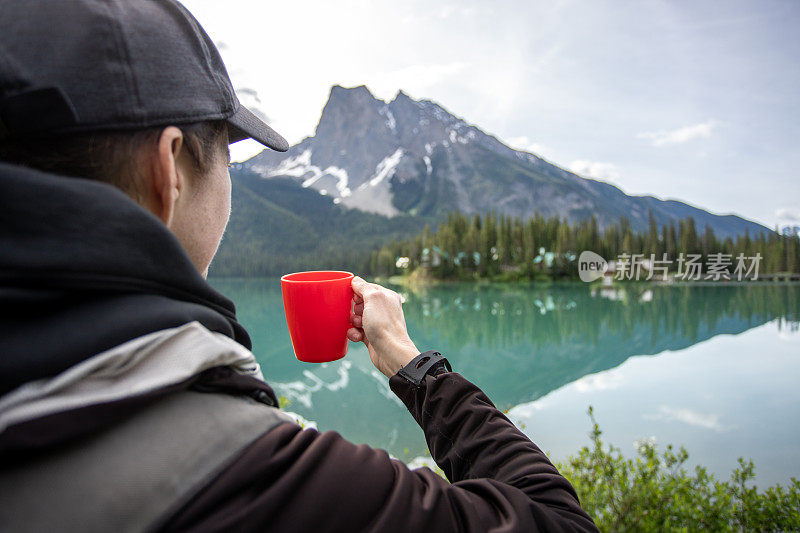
x=379, y=323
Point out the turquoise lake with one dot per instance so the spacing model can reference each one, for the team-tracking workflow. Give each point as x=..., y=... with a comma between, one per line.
x=713, y=368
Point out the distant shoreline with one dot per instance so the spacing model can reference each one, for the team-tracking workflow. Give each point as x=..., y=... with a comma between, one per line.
x=406, y=281
x=410, y=281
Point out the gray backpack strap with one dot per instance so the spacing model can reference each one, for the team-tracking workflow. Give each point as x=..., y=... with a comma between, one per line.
x=132, y=476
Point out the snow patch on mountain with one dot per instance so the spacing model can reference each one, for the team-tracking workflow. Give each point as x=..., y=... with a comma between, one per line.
x=386, y=167
x=342, y=179
x=428, y=166
x=366, y=162
x=297, y=166
x=385, y=112
x=300, y=167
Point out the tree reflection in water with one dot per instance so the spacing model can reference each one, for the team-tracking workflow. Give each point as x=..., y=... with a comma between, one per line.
x=516, y=342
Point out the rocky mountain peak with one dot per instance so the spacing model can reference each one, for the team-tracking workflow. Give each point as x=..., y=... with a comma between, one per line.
x=414, y=156
x=347, y=105
x=401, y=95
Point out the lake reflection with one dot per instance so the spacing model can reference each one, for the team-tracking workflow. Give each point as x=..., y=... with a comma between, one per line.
x=521, y=343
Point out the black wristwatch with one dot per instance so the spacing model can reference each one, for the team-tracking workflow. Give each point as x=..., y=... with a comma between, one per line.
x=430, y=362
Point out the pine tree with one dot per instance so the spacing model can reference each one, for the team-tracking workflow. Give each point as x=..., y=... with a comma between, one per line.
x=687, y=236
x=652, y=246
x=710, y=244
x=516, y=242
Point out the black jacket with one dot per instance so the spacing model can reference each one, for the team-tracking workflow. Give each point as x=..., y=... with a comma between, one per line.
x=83, y=269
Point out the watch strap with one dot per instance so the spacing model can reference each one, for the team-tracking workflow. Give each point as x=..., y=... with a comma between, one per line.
x=416, y=370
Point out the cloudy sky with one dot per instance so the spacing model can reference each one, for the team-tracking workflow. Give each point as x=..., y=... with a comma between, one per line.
x=696, y=101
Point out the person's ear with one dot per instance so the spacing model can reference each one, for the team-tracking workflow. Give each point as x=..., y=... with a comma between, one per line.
x=167, y=181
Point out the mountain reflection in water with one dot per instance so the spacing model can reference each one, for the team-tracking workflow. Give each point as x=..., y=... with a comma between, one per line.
x=518, y=343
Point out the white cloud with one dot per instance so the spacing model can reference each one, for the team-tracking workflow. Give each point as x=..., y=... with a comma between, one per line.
x=787, y=335
x=787, y=214
x=524, y=411
x=599, y=382
x=249, y=98
x=448, y=10
x=538, y=63
x=688, y=416
x=414, y=79
x=526, y=145
x=546, y=60
x=244, y=150
x=520, y=143
x=680, y=135
x=595, y=169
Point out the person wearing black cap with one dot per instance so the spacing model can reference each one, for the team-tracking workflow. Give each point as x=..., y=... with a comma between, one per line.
x=129, y=397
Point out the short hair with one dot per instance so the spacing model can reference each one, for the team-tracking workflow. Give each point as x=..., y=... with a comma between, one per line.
x=111, y=156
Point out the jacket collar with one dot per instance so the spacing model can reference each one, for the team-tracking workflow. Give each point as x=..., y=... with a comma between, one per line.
x=84, y=268
x=104, y=389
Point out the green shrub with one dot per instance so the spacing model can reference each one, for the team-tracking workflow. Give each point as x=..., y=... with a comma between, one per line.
x=654, y=492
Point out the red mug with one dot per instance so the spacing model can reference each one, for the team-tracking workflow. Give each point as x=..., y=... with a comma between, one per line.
x=317, y=306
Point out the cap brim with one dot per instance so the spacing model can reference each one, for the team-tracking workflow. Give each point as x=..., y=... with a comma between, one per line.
x=245, y=125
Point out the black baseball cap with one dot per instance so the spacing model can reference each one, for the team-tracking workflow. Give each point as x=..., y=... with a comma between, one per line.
x=69, y=66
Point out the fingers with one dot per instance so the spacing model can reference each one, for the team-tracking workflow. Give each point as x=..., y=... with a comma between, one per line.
x=356, y=320
x=355, y=334
x=357, y=298
x=358, y=309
